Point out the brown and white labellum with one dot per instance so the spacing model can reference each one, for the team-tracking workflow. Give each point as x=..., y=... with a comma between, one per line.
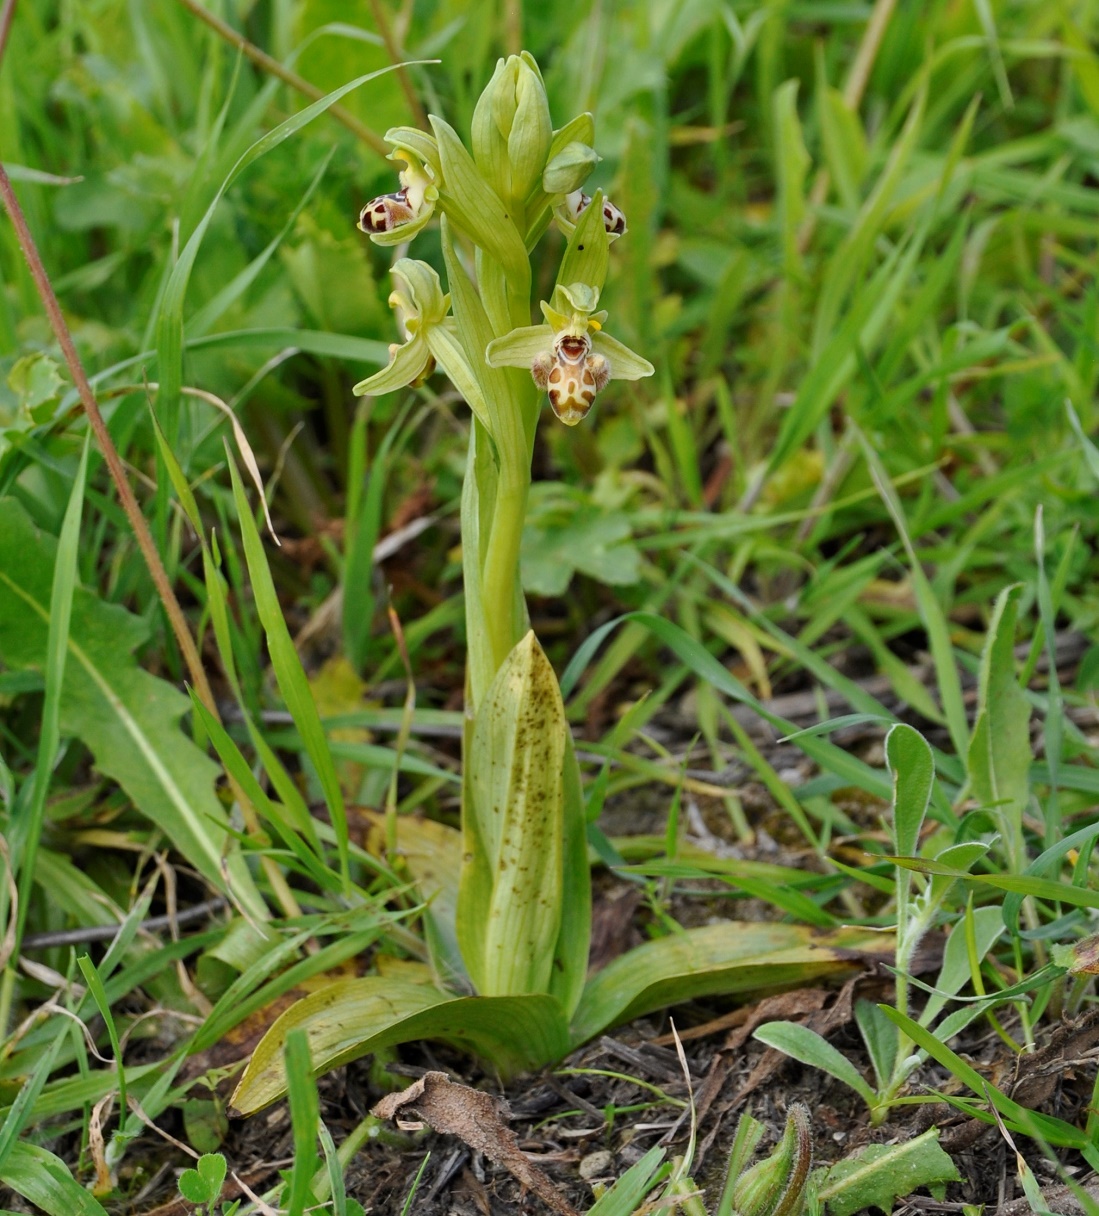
x=386, y=212
x=571, y=376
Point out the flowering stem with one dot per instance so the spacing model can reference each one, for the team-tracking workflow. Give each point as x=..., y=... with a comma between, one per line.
x=504, y=605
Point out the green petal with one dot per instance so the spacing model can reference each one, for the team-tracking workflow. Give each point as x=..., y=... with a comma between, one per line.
x=423, y=288
x=406, y=365
x=521, y=347
x=625, y=364
x=417, y=141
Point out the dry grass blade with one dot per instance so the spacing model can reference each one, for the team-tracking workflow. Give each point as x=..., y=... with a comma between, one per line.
x=106, y=445
x=262, y=60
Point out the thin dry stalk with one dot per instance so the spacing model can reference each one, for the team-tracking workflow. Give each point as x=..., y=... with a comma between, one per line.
x=395, y=57
x=126, y=496
x=262, y=60
x=7, y=16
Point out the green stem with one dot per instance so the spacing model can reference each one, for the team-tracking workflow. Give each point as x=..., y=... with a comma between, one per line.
x=503, y=598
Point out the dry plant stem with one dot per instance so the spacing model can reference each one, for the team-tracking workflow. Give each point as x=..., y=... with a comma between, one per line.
x=513, y=26
x=7, y=15
x=852, y=96
x=395, y=57
x=263, y=60
x=106, y=445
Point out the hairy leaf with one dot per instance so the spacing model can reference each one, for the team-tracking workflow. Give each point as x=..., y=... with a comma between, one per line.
x=878, y=1174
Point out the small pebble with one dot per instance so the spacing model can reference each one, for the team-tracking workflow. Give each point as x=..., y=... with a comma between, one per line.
x=596, y=1165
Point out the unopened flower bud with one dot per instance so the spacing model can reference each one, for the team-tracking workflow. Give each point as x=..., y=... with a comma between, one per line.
x=576, y=203
x=776, y=1186
x=569, y=169
x=1079, y=958
x=512, y=132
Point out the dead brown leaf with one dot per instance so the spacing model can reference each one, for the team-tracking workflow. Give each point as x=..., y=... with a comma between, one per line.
x=476, y=1118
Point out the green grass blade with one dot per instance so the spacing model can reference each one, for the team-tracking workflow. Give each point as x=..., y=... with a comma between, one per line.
x=931, y=613
x=290, y=674
x=99, y=996
x=45, y=1181
x=1018, y=1118
x=27, y=833
x=211, y=312
x=170, y=321
x=305, y=1117
x=19, y=1113
x=128, y=718
x=627, y=1194
x=707, y=668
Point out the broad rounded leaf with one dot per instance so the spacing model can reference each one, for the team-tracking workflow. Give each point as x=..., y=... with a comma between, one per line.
x=350, y=1018
x=726, y=958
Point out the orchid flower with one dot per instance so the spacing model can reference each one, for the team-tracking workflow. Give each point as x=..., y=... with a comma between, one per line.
x=570, y=357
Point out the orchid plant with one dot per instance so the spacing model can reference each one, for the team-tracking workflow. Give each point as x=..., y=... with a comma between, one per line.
x=509, y=940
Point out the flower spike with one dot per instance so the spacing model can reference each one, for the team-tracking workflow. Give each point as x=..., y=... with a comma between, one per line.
x=570, y=357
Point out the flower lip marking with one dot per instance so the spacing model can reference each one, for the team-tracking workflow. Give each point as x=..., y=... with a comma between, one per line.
x=614, y=218
x=571, y=376
x=386, y=212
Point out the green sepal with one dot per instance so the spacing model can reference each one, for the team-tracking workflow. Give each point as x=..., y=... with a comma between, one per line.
x=408, y=363
x=521, y=347
x=419, y=292
x=625, y=363
x=475, y=208
x=588, y=254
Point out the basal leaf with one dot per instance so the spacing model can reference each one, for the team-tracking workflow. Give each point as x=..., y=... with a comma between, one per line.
x=805, y=1045
x=350, y=1018
x=128, y=718
x=45, y=1180
x=726, y=958
x=878, y=1174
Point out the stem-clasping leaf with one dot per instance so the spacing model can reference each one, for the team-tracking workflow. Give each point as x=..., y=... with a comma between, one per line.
x=522, y=810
